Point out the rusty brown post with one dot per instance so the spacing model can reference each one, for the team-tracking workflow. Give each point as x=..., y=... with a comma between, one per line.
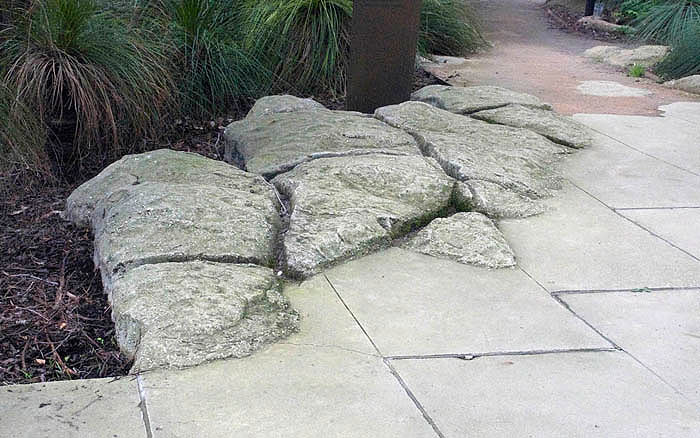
x=382, y=53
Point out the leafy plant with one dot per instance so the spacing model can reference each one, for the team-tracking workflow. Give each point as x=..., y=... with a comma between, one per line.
x=637, y=71
x=684, y=59
x=448, y=27
x=91, y=80
x=667, y=21
x=213, y=69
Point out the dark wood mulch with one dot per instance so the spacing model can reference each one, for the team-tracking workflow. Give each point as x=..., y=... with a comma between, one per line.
x=55, y=320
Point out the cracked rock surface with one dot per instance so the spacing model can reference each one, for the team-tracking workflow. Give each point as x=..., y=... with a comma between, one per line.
x=274, y=142
x=469, y=238
x=560, y=129
x=184, y=314
x=466, y=100
x=349, y=206
x=163, y=165
x=495, y=201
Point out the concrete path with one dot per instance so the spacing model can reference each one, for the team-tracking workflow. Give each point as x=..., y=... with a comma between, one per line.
x=596, y=333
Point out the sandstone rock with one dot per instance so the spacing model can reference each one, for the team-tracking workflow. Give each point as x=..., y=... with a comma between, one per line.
x=184, y=314
x=689, y=84
x=600, y=25
x=516, y=159
x=279, y=141
x=646, y=56
x=349, y=206
x=558, y=128
x=469, y=238
x=465, y=100
x=282, y=104
x=164, y=165
x=610, y=89
x=155, y=223
x=495, y=201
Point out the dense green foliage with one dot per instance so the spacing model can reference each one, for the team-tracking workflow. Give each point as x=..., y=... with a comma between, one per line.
x=667, y=21
x=684, y=59
x=448, y=27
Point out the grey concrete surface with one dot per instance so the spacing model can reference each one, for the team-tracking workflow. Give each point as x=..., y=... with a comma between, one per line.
x=622, y=177
x=602, y=394
x=688, y=111
x=672, y=139
x=660, y=328
x=412, y=304
x=326, y=381
x=100, y=408
x=680, y=226
x=580, y=244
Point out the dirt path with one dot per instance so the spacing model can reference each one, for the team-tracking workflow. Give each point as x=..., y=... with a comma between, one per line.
x=529, y=55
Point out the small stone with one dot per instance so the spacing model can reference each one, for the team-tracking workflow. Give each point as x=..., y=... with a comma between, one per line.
x=277, y=142
x=163, y=165
x=282, y=104
x=350, y=206
x=469, y=238
x=185, y=314
x=689, y=84
x=558, y=128
x=466, y=100
x=496, y=201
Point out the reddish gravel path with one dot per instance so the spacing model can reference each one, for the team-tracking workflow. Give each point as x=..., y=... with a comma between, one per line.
x=528, y=55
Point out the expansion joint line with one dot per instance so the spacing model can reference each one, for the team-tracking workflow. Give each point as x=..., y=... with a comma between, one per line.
x=144, y=407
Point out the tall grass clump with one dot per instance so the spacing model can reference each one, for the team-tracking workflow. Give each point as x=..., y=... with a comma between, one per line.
x=213, y=70
x=449, y=27
x=304, y=42
x=93, y=82
x=684, y=59
x=668, y=21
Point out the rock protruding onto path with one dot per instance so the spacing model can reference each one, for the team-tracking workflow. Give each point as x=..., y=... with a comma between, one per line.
x=466, y=100
x=689, y=84
x=495, y=201
x=156, y=223
x=164, y=166
x=184, y=314
x=350, y=206
x=646, y=56
x=469, y=238
x=278, y=141
x=560, y=129
x=516, y=159
x=282, y=104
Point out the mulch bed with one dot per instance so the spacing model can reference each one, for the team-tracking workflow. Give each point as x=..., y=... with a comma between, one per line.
x=55, y=320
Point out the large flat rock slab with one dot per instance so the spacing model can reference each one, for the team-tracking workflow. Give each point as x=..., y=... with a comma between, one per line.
x=163, y=166
x=155, y=223
x=516, y=159
x=278, y=141
x=647, y=55
x=282, y=104
x=560, y=129
x=597, y=394
x=100, y=408
x=660, y=328
x=580, y=244
x=171, y=315
x=413, y=304
x=469, y=238
x=466, y=100
x=610, y=89
x=350, y=206
x=495, y=201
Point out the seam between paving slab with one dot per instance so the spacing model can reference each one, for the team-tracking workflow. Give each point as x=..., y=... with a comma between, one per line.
x=143, y=406
x=608, y=291
x=653, y=208
x=644, y=153
x=392, y=370
x=636, y=223
x=472, y=356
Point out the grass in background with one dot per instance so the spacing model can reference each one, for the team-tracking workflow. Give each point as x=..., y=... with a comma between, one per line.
x=667, y=21
x=448, y=27
x=684, y=59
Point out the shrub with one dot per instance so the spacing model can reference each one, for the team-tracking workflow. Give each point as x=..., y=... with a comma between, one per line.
x=213, y=70
x=93, y=82
x=448, y=27
x=667, y=21
x=684, y=59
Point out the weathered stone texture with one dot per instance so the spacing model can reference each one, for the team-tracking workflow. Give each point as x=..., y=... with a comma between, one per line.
x=349, y=206
x=646, y=56
x=496, y=201
x=469, y=238
x=466, y=100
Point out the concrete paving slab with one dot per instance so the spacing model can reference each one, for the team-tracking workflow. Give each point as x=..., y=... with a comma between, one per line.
x=661, y=329
x=412, y=304
x=680, y=226
x=622, y=177
x=579, y=244
x=99, y=408
x=688, y=111
x=671, y=139
x=325, y=381
x=601, y=394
